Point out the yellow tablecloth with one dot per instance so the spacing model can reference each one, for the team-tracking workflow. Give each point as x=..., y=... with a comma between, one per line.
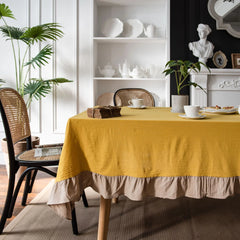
x=148, y=153
x=151, y=142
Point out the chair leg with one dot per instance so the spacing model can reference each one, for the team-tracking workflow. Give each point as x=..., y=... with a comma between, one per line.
x=74, y=218
x=11, y=183
x=28, y=186
x=33, y=180
x=84, y=198
x=74, y=222
x=26, y=189
x=14, y=197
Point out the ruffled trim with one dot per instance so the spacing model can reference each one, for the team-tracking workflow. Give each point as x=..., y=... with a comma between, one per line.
x=66, y=192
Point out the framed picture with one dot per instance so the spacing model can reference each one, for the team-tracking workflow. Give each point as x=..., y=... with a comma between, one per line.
x=219, y=59
x=235, y=60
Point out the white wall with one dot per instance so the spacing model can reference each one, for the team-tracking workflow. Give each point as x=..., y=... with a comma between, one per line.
x=72, y=60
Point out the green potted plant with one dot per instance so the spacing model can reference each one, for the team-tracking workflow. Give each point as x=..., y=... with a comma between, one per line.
x=22, y=40
x=181, y=70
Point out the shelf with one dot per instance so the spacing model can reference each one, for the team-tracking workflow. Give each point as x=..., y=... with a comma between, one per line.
x=129, y=40
x=127, y=79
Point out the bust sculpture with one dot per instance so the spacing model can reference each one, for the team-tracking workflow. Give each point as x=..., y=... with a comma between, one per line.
x=202, y=49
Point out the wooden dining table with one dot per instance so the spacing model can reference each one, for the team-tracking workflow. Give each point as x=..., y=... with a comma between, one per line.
x=150, y=152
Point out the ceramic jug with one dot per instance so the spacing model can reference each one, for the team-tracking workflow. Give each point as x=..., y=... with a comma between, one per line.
x=107, y=71
x=149, y=31
x=124, y=69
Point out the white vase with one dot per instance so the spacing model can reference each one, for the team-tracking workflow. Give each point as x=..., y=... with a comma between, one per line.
x=178, y=101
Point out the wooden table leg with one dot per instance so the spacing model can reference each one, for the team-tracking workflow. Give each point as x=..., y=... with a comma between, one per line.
x=115, y=200
x=104, y=212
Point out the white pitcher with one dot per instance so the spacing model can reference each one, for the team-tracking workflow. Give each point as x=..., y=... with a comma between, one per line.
x=149, y=31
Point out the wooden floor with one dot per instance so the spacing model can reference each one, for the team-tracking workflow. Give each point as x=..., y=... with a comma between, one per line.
x=42, y=180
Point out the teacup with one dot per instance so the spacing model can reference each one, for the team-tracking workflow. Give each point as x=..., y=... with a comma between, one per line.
x=137, y=102
x=191, y=111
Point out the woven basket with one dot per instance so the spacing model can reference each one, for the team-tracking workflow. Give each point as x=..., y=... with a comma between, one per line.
x=18, y=148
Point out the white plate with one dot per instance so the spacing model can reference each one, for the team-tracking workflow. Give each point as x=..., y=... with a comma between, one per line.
x=133, y=28
x=142, y=107
x=220, y=111
x=198, y=117
x=113, y=27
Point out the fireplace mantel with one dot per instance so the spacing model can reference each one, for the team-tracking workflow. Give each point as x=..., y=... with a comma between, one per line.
x=222, y=87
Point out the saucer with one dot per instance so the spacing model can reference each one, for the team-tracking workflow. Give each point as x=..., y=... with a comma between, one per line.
x=142, y=107
x=197, y=117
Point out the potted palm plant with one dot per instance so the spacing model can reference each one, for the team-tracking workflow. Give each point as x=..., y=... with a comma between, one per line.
x=22, y=40
x=181, y=70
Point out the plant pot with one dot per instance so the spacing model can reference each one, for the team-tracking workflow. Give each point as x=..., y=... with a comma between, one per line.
x=19, y=147
x=178, y=101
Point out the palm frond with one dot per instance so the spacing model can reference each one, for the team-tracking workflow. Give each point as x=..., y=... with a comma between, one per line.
x=14, y=33
x=39, y=33
x=42, y=57
x=1, y=81
x=5, y=11
x=37, y=89
x=56, y=81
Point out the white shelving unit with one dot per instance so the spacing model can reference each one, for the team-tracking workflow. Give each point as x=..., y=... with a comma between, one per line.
x=141, y=51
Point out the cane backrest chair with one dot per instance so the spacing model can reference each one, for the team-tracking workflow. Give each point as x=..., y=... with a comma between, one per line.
x=16, y=125
x=123, y=95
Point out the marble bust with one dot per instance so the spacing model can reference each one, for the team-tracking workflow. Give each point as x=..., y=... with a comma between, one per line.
x=202, y=49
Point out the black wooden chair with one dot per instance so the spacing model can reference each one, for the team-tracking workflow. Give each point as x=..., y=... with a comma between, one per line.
x=16, y=125
x=123, y=95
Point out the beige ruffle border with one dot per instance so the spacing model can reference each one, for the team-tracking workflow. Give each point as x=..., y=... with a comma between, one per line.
x=66, y=192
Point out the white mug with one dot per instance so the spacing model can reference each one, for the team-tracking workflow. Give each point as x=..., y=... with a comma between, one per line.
x=191, y=111
x=137, y=102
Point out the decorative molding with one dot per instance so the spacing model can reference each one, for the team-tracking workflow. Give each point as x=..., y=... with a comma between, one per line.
x=230, y=84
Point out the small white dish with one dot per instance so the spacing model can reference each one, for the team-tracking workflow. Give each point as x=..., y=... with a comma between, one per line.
x=133, y=28
x=219, y=111
x=200, y=116
x=113, y=27
x=142, y=107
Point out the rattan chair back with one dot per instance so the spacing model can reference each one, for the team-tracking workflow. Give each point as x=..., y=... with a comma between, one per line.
x=16, y=114
x=123, y=95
